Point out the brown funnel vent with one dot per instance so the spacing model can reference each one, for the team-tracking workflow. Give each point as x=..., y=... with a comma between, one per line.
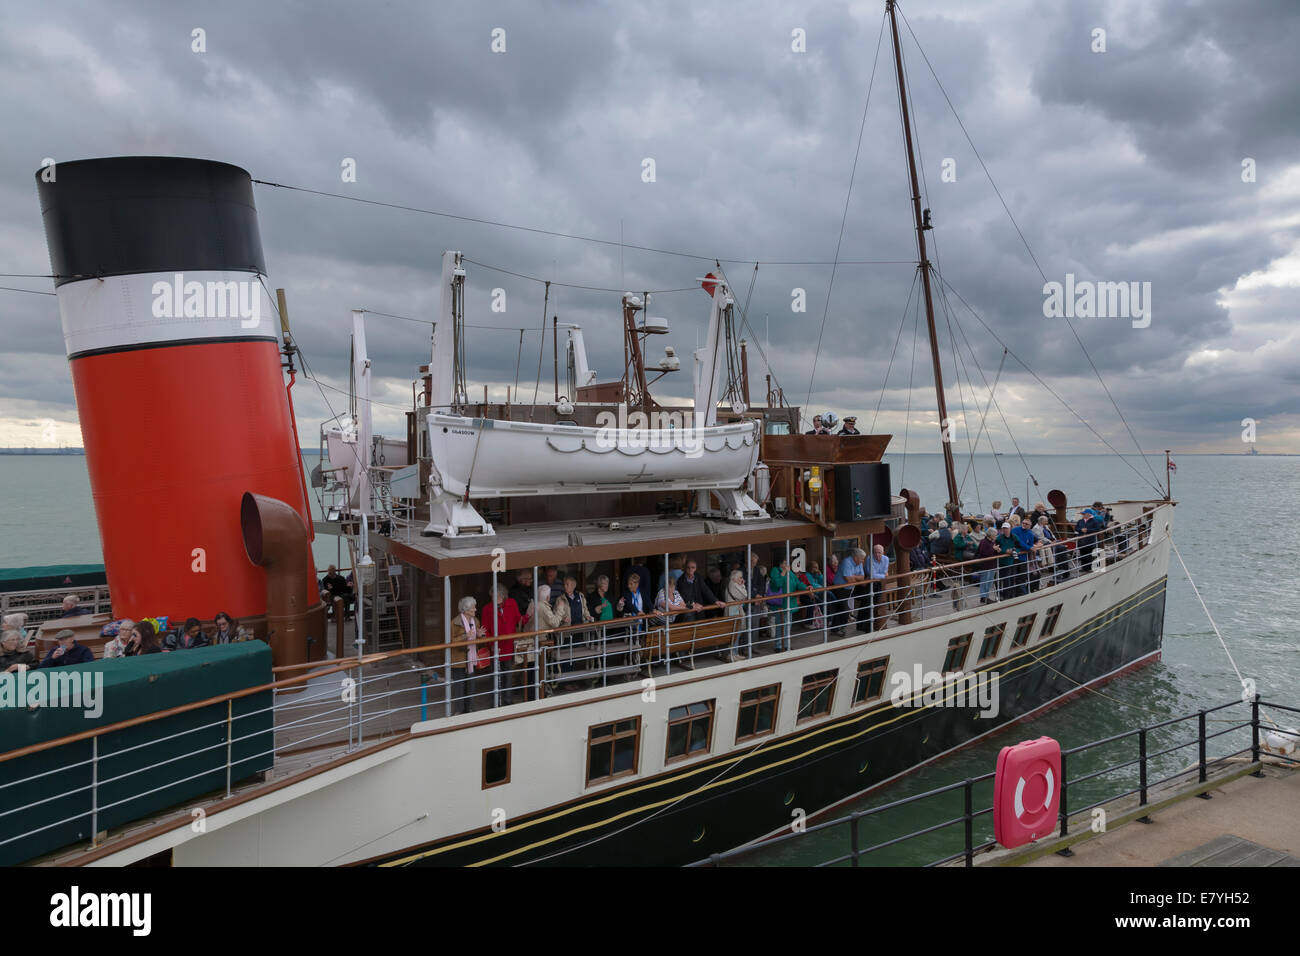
x=1057, y=500
x=276, y=539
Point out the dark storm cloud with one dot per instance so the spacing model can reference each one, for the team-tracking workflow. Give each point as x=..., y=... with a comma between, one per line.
x=1118, y=166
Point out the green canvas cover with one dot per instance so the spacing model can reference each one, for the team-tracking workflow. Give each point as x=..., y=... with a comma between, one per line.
x=48, y=799
x=41, y=577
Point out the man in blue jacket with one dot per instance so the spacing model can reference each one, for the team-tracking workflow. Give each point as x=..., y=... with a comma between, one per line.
x=1024, y=535
x=1087, y=529
x=67, y=652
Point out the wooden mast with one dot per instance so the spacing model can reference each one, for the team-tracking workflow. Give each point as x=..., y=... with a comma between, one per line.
x=921, y=227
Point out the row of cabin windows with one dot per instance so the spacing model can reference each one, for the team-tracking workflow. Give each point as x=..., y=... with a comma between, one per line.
x=959, y=647
x=613, y=748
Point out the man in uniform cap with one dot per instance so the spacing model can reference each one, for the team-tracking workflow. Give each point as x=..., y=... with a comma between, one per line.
x=850, y=426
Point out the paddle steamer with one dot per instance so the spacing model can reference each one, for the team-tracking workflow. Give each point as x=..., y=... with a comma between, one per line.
x=639, y=739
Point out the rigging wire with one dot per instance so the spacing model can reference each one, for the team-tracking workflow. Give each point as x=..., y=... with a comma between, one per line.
x=569, y=285
x=844, y=218
x=744, y=324
x=1051, y=391
x=1023, y=240
x=1005, y=424
x=907, y=416
x=902, y=321
x=568, y=235
x=9, y=288
x=961, y=397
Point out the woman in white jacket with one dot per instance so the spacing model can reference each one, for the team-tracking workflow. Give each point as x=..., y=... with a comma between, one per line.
x=737, y=594
x=548, y=619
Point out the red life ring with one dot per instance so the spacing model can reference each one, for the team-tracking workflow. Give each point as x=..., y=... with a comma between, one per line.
x=1026, y=791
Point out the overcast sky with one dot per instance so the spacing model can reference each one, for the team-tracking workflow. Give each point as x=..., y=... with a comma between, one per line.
x=1119, y=166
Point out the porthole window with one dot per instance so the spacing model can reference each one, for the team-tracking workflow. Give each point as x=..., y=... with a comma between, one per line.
x=496, y=766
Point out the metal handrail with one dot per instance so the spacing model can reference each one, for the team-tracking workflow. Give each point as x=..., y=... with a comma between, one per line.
x=853, y=820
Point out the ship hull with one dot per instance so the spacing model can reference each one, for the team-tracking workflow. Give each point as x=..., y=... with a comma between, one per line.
x=676, y=821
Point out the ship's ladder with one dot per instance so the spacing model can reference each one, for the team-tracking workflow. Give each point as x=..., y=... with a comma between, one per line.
x=391, y=602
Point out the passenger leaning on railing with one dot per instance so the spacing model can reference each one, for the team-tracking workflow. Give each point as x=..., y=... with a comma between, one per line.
x=780, y=617
x=987, y=568
x=1026, y=567
x=811, y=604
x=599, y=603
x=1045, y=542
x=737, y=595
x=878, y=570
x=852, y=575
x=500, y=619
x=671, y=606
x=1088, y=529
x=468, y=662
x=631, y=603
x=553, y=612
x=1006, y=545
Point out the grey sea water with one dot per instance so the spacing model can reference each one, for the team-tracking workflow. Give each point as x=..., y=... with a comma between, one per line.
x=1231, y=528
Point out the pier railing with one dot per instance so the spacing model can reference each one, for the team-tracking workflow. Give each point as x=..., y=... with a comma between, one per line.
x=857, y=827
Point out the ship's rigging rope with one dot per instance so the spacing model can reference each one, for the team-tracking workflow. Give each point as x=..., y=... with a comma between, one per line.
x=844, y=218
x=902, y=321
x=572, y=285
x=1051, y=391
x=743, y=260
x=911, y=374
x=984, y=418
x=1029, y=250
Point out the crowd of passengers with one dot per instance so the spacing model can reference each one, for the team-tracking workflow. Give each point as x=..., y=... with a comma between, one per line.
x=1008, y=553
x=124, y=638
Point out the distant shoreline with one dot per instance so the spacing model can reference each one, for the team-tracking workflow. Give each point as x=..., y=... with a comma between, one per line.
x=42, y=451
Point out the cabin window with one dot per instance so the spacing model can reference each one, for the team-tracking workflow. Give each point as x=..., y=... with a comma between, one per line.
x=690, y=730
x=496, y=766
x=957, y=650
x=1024, y=627
x=1049, y=622
x=757, y=712
x=612, y=749
x=992, y=641
x=816, y=695
x=871, y=680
